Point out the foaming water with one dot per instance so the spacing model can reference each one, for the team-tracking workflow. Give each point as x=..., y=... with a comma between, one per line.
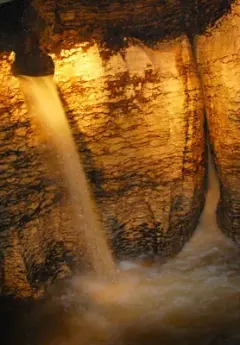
x=48, y=115
x=193, y=299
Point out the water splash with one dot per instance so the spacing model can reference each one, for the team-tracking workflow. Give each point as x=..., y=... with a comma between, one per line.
x=193, y=299
x=48, y=114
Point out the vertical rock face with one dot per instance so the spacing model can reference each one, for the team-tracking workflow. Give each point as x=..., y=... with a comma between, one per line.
x=33, y=245
x=140, y=115
x=137, y=118
x=218, y=57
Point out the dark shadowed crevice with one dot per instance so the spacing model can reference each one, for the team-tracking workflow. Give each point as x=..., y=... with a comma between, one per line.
x=11, y=29
x=200, y=14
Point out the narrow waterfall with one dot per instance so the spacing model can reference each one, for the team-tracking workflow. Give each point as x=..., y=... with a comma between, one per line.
x=48, y=114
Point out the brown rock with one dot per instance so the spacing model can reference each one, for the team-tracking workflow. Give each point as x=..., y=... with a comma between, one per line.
x=137, y=117
x=218, y=54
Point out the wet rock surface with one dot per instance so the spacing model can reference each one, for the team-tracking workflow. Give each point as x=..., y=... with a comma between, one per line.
x=218, y=56
x=140, y=120
x=137, y=118
x=137, y=114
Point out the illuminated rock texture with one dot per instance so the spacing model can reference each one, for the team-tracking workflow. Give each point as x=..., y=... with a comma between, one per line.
x=137, y=117
x=218, y=56
x=31, y=218
x=109, y=21
x=133, y=97
x=139, y=114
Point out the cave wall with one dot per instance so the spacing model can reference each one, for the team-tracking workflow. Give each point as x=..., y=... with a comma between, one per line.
x=139, y=112
x=136, y=110
x=109, y=22
x=218, y=58
x=33, y=221
x=137, y=117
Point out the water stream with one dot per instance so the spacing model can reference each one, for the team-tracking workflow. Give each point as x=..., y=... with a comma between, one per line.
x=48, y=114
x=193, y=299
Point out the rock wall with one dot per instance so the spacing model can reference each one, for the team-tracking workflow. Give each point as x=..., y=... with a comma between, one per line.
x=218, y=56
x=132, y=93
x=137, y=117
x=33, y=247
x=140, y=114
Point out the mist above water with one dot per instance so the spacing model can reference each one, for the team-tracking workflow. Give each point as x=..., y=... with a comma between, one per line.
x=48, y=115
x=193, y=299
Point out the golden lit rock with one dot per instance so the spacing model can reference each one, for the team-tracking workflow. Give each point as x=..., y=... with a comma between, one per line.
x=218, y=54
x=140, y=115
x=137, y=117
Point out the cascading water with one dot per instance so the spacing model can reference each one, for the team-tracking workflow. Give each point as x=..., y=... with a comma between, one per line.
x=193, y=299
x=47, y=112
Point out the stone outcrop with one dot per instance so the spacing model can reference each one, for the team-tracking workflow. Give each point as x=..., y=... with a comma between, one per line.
x=133, y=97
x=137, y=117
x=218, y=57
x=31, y=221
x=140, y=115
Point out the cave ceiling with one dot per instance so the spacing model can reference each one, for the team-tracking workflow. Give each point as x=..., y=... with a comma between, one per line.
x=108, y=22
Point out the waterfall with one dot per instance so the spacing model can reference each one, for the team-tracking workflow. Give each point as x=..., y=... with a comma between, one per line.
x=191, y=299
x=48, y=114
